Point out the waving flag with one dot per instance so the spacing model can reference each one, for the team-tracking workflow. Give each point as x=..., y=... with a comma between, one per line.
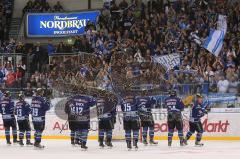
x=214, y=41
x=222, y=23
x=168, y=61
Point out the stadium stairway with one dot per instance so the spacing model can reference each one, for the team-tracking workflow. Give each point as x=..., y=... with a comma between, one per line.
x=14, y=28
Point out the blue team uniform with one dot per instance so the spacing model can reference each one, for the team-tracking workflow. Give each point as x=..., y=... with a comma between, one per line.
x=9, y=121
x=145, y=105
x=22, y=111
x=197, y=112
x=130, y=109
x=106, y=111
x=131, y=123
x=39, y=107
x=78, y=110
x=174, y=104
x=174, y=107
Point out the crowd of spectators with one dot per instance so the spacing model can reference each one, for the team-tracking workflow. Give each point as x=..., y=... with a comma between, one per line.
x=129, y=34
x=6, y=7
x=163, y=28
x=41, y=6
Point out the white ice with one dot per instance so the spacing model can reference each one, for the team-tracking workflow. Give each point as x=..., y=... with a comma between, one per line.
x=61, y=149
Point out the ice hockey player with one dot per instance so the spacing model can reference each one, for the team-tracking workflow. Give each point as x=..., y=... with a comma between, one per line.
x=72, y=122
x=106, y=111
x=22, y=111
x=174, y=107
x=9, y=121
x=78, y=110
x=131, y=122
x=39, y=107
x=197, y=112
x=145, y=105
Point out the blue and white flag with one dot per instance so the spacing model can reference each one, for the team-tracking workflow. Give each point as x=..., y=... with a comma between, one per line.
x=167, y=61
x=214, y=42
x=222, y=23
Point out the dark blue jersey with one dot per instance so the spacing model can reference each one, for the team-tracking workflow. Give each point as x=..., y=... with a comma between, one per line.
x=39, y=107
x=174, y=104
x=145, y=105
x=78, y=107
x=106, y=108
x=197, y=112
x=7, y=108
x=130, y=108
x=22, y=110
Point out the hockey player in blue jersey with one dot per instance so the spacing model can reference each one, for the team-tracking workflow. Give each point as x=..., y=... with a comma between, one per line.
x=131, y=122
x=39, y=107
x=9, y=121
x=106, y=112
x=197, y=112
x=145, y=105
x=22, y=111
x=78, y=110
x=174, y=107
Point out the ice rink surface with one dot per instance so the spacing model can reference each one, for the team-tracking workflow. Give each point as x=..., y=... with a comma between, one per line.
x=61, y=149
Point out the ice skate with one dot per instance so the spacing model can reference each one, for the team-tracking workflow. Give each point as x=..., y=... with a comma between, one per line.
x=169, y=143
x=83, y=146
x=152, y=142
x=38, y=146
x=145, y=142
x=101, y=145
x=135, y=145
x=9, y=143
x=109, y=143
x=129, y=145
x=21, y=143
x=198, y=144
x=28, y=143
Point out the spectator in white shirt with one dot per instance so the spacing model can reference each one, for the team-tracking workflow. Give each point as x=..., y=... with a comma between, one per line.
x=223, y=85
x=233, y=84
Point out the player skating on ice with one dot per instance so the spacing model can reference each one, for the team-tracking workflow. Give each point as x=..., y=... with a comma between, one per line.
x=130, y=119
x=39, y=107
x=22, y=111
x=198, y=110
x=174, y=107
x=9, y=121
x=106, y=111
x=145, y=105
x=78, y=106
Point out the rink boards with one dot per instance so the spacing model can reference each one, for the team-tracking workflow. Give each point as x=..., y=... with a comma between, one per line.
x=219, y=124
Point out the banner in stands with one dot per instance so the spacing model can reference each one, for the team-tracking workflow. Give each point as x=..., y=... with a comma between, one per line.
x=59, y=24
x=168, y=61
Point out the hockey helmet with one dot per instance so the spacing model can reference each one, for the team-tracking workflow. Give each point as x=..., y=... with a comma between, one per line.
x=39, y=92
x=172, y=93
x=21, y=96
x=199, y=95
x=7, y=94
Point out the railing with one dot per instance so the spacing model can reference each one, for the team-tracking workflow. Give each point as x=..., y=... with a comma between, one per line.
x=216, y=100
x=14, y=58
x=159, y=89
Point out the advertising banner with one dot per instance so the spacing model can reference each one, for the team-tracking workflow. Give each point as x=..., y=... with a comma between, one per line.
x=59, y=24
x=219, y=124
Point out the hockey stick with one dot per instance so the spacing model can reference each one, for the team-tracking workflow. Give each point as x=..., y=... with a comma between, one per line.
x=63, y=126
x=118, y=96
